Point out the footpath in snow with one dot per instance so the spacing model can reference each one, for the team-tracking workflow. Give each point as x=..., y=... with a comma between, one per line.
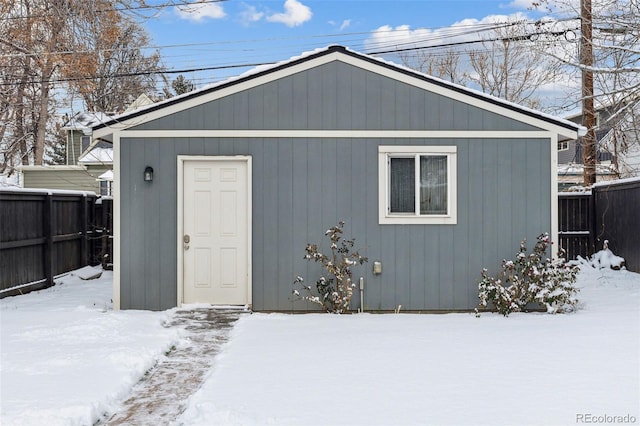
x=67, y=359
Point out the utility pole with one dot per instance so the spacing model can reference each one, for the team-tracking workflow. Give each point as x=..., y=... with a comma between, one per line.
x=588, y=110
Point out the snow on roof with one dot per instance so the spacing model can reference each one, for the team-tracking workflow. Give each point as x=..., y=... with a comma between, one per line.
x=48, y=191
x=97, y=155
x=617, y=181
x=86, y=120
x=578, y=169
x=255, y=70
x=141, y=101
x=266, y=67
x=581, y=130
x=108, y=175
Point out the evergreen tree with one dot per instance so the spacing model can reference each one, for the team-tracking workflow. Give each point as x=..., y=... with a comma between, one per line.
x=182, y=85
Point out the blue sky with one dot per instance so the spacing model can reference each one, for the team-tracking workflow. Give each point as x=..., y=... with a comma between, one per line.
x=238, y=32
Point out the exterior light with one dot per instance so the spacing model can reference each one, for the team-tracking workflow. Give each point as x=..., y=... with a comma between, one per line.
x=148, y=174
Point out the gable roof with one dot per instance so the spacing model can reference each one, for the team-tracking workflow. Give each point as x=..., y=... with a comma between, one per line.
x=563, y=127
x=86, y=120
x=97, y=155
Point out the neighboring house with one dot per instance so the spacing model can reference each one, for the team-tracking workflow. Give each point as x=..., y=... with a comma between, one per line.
x=617, y=152
x=85, y=163
x=624, y=142
x=78, y=130
x=89, y=162
x=219, y=190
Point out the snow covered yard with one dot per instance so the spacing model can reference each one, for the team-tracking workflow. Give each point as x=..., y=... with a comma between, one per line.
x=369, y=369
x=66, y=359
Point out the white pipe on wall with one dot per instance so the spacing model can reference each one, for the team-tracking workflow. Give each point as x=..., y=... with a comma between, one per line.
x=361, y=294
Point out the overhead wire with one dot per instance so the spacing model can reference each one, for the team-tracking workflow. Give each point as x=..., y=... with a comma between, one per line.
x=428, y=42
x=122, y=9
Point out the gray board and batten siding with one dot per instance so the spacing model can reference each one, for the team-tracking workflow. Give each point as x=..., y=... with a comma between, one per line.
x=335, y=96
x=301, y=186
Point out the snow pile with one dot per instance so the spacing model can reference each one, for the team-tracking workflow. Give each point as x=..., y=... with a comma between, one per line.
x=66, y=358
x=451, y=369
x=605, y=258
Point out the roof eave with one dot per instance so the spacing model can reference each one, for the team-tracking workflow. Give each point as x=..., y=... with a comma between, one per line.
x=566, y=130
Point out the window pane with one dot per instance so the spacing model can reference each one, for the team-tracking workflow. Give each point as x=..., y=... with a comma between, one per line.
x=402, y=185
x=86, y=140
x=433, y=184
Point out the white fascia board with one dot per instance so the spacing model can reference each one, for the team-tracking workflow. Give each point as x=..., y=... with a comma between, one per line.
x=368, y=134
x=51, y=168
x=555, y=241
x=180, y=231
x=115, y=192
x=459, y=96
x=216, y=94
x=380, y=69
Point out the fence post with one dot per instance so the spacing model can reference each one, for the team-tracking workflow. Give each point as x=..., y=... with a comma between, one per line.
x=48, y=225
x=104, y=240
x=592, y=221
x=84, y=246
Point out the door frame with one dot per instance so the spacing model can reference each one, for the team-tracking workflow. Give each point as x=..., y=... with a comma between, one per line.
x=180, y=218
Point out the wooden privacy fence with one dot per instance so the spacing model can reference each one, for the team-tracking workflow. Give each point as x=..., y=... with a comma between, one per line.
x=610, y=211
x=46, y=233
x=575, y=223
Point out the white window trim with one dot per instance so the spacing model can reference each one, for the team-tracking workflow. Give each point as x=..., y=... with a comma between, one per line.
x=564, y=144
x=387, y=218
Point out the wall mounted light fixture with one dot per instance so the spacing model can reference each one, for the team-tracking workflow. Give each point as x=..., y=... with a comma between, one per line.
x=148, y=174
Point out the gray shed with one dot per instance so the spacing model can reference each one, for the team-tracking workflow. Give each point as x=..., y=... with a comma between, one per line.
x=434, y=180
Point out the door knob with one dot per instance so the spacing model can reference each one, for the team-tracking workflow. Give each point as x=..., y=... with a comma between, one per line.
x=186, y=239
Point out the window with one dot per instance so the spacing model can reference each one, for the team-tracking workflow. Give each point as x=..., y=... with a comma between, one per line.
x=105, y=187
x=85, y=142
x=417, y=184
x=563, y=145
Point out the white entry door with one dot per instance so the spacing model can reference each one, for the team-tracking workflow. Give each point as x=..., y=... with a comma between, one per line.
x=216, y=227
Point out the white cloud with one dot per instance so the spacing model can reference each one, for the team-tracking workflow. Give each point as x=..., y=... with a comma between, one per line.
x=341, y=26
x=345, y=24
x=250, y=14
x=465, y=30
x=295, y=13
x=201, y=12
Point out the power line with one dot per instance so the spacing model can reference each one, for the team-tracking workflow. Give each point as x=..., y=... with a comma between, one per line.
x=255, y=64
x=470, y=29
x=121, y=9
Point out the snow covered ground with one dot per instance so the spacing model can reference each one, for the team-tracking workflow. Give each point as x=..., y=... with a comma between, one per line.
x=369, y=369
x=66, y=358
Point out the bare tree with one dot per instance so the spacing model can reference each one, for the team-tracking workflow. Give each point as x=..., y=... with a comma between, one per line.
x=511, y=69
x=49, y=47
x=109, y=67
x=615, y=66
x=505, y=66
x=30, y=36
x=444, y=65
